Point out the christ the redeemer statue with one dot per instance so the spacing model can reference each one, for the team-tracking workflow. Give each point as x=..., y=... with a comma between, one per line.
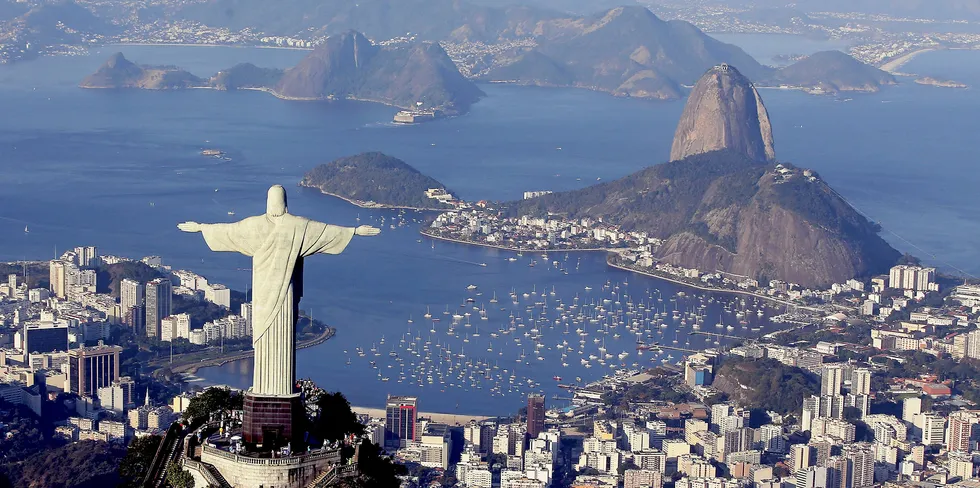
x=277, y=242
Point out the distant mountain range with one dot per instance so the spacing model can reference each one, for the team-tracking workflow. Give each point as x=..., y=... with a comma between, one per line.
x=374, y=177
x=726, y=205
x=347, y=66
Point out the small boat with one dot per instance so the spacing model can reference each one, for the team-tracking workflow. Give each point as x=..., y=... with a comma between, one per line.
x=26, y=230
x=231, y=212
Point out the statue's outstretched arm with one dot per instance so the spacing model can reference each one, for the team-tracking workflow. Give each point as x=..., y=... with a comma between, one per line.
x=367, y=230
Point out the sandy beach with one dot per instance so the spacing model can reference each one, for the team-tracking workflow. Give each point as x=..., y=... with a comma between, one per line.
x=443, y=418
x=894, y=65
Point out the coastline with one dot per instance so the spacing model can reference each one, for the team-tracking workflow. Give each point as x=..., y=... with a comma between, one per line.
x=506, y=248
x=201, y=44
x=704, y=288
x=191, y=368
x=358, y=203
x=442, y=418
x=892, y=66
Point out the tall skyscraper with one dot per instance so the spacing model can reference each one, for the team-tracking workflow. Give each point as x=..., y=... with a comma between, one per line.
x=961, y=430
x=159, y=296
x=861, y=381
x=401, y=417
x=91, y=368
x=535, y=415
x=58, y=278
x=861, y=459
x=86, y=256
x=131, y=294
x=831, y=379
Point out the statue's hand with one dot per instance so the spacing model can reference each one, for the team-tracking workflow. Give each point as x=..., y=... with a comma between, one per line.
x=189, y=227
x=367, y=230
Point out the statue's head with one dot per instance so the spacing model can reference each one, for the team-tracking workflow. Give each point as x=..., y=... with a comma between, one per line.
x=276, y=203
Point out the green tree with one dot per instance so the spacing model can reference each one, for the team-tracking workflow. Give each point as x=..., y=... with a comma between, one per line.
x=211, y=401
x=137, y=461
x=334, y=419
x=178, y=477
x=375, y=470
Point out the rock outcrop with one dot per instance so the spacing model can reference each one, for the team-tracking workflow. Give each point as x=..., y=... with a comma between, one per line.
x=724, y=112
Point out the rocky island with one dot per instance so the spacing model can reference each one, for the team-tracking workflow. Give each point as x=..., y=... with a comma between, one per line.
x=245, y=76
x=119, y=72
x=930, y=81
x=374, y=179
x=831, y=72
x=726, y=205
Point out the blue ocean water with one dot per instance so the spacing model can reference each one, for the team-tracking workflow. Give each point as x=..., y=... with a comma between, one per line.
x=118, y=169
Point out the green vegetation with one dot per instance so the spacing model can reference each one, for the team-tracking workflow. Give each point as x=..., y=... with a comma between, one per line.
x=178, y=477
x=374, y=177
x=110, y=276
x=37, y=273
x=211, y=403
x=333, y=419
x=376, y=470
x=662, y=388
x=136, y=462
x=753, y=382
x=82, y=464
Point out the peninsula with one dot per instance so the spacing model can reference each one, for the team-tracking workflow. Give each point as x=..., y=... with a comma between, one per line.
x=831, y=72
x=722, y=206
x=374, y=179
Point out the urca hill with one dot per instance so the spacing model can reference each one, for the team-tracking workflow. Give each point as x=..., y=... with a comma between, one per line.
x=726, y=205
x=375, y=179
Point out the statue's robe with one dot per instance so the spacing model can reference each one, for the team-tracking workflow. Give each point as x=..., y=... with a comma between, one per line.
x=277, y=246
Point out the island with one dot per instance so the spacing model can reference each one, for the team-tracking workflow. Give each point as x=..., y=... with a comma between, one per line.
x=419, y=77
x=119, y=72
x=376, y=180
x=930, y=81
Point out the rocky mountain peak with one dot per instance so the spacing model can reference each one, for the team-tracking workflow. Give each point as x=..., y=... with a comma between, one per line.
x=724, y=111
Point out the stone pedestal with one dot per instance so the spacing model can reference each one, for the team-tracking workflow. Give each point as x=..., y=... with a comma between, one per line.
x=271, y=421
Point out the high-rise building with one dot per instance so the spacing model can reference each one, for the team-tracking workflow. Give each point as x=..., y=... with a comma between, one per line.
x=401, y=413
x=535, y=415
x=862, y=464
x=861, y=381
x=933, y=428
x=131, y=294
x=961, y=430
x=159, y=303
x=44, y=336
x=911, y=407
x=905, y=277
x=91, y=368
x=58, y=278
x=838, y=472
x=86, y=256
x=812, y=477
x=831, y=379
x=801, y=456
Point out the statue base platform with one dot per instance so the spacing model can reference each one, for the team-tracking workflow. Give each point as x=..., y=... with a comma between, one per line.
x=271, y=421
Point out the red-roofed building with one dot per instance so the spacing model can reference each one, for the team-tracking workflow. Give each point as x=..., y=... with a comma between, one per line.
x=936, y=390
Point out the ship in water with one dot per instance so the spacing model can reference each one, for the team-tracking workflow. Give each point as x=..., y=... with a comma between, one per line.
x=416, y=115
